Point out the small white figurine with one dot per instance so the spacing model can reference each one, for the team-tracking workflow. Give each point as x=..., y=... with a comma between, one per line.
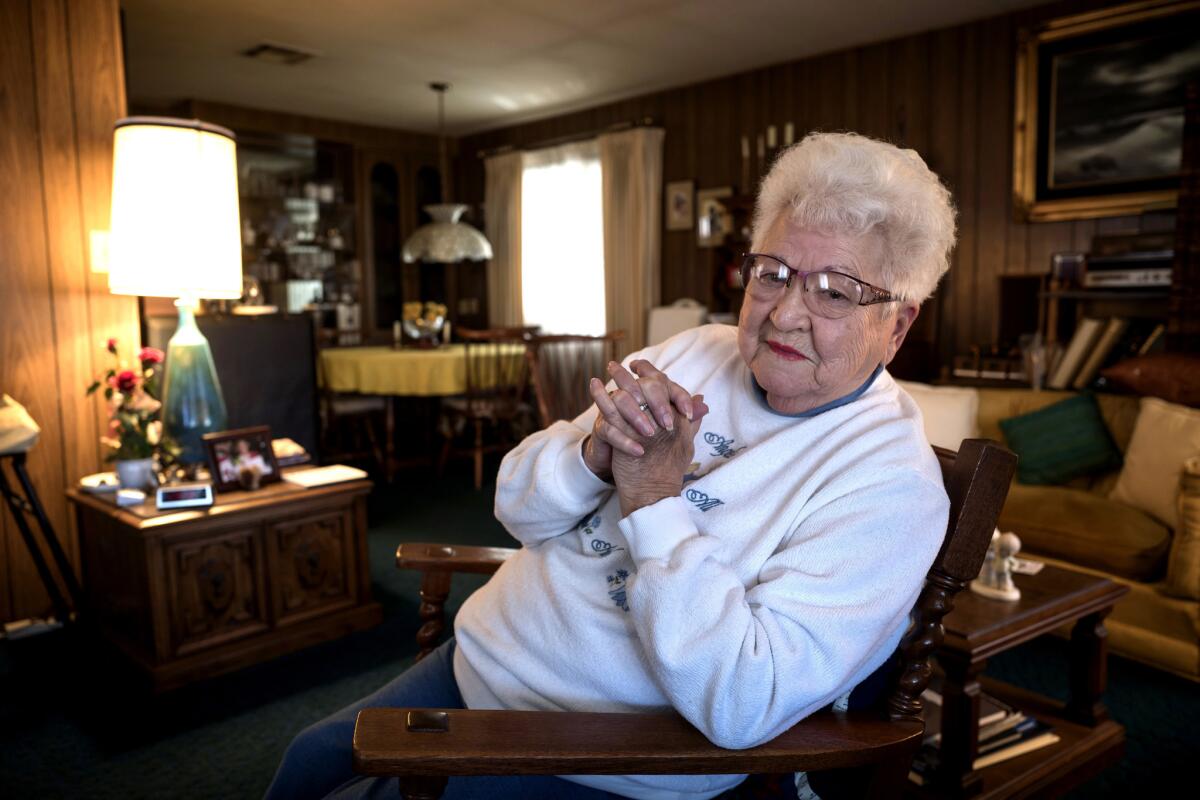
x=995, y=579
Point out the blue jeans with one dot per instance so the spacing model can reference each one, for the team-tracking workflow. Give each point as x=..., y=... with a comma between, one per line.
x=317, y=763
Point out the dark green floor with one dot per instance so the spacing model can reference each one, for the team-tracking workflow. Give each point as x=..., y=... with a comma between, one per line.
x=68, y=727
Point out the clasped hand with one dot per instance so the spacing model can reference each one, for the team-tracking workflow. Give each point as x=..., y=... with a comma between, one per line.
x=643, y=436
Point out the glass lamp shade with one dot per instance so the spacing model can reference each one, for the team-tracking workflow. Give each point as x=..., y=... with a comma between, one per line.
x=446, y=240
x=175, y=230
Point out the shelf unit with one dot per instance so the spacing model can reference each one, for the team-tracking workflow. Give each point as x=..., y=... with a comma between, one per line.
x=1065, y=307
x=299, y=228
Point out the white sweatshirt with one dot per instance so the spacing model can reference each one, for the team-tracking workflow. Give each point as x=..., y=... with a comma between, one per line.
x=780, y=578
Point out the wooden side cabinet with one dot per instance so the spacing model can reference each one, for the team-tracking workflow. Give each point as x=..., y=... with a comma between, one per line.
x=191, y=594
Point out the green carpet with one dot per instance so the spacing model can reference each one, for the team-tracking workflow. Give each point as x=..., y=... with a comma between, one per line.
x=69, y=727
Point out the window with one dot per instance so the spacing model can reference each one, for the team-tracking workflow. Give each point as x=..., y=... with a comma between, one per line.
x=562, y=240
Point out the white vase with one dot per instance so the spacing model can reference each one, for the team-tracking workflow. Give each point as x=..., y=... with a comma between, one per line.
x=137, y=473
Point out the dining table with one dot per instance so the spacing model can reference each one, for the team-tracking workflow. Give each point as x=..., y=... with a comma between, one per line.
x=399, y=372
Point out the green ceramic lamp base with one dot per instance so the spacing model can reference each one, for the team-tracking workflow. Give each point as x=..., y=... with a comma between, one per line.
x=192, y=401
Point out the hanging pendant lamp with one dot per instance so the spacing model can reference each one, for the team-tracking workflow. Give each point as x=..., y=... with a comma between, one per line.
x=446, y=240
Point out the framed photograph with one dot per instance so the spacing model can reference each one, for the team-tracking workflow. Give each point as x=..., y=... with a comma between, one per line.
x=1098, y=127
x=714, y=217
x=679, y=205
x=241, y=459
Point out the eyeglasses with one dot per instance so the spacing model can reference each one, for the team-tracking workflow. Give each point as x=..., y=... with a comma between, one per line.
x=826, y=293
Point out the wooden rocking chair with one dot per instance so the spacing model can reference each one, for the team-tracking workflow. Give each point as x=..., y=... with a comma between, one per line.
x=424, y=747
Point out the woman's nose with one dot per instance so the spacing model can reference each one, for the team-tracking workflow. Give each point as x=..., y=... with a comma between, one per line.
x=790, y=311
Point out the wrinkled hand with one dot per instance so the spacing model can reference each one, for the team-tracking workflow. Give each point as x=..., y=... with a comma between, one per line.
x=658, y=473
x=621, y=421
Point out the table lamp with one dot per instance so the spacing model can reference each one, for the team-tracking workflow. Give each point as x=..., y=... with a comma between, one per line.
x=175, y=233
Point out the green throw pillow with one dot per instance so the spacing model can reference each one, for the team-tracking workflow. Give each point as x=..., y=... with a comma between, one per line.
x=1061, y=442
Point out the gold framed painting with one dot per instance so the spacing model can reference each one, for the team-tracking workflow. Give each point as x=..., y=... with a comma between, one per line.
x=1098, y=126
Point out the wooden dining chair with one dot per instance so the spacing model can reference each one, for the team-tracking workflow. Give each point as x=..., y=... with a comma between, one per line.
x=424, y=747
x=560, y=367
x=496, y=397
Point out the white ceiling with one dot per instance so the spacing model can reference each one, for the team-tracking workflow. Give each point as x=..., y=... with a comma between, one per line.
x=508, y=60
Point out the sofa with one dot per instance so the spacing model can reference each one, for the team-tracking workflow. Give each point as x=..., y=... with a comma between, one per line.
x=1076, y=524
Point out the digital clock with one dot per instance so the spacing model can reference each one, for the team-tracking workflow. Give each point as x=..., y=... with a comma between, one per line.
x=185, y=495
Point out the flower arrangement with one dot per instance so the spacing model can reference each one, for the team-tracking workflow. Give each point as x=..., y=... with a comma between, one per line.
x=134, y=427
x=426, y=313
x=423, y=321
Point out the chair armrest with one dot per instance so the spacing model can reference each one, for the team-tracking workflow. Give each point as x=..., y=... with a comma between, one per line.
x=427, y=556
x=437, y=563
x=574, y=743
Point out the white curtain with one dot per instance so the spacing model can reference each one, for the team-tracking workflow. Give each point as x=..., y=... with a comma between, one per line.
x=502, y=211
x=562, y=239
x=631, y=165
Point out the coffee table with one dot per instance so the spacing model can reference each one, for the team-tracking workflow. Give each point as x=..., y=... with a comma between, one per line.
x=979, y=628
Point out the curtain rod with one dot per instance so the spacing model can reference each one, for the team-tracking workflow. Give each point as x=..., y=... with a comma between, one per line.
x=640, y=122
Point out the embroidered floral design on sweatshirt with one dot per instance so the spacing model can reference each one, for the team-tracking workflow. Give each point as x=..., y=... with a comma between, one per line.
x=701, y=500
x=599, y=547
x=722, y=446
x=616, y=589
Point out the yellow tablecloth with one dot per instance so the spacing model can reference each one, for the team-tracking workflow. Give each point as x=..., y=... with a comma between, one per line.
x=409, y=371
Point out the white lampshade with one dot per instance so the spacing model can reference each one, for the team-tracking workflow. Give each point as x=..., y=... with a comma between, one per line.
x=175, y=225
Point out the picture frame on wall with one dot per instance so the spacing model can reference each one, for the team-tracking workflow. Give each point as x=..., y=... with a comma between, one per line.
x=1098, y=124
x=714, y=216
x=241, y=459
x=679, y=196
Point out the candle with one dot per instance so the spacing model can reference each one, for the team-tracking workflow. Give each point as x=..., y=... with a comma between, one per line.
x=397, y=331
x=771, y=136
x=788, y=134
x=446, y=333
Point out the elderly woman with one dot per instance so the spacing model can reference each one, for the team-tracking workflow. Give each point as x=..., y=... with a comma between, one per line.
x=740, y=525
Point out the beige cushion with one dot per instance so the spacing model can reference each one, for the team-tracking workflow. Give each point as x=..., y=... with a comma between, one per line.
x=1086, y=529
x=1183, y=564
x=950, y=412
x=1164, y=436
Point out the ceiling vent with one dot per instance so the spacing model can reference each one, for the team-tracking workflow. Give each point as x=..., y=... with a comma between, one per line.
x=278, y=54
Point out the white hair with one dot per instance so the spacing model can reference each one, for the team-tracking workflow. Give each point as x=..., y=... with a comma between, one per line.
x=847, y=184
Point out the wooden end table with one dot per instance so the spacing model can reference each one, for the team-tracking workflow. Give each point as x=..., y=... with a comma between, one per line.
x=193, y=593
x=979, y=628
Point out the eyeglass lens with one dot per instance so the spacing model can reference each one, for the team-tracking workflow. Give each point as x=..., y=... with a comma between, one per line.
x=829, y=294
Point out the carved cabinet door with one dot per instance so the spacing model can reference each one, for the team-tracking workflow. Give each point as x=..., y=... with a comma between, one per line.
x=215, y=589
x=312, y=565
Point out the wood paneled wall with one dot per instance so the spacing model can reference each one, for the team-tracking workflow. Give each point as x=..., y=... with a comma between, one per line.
x=61, y=89
x=946, y=93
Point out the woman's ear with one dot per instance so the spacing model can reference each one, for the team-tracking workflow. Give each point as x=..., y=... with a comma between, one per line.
x=906, y=314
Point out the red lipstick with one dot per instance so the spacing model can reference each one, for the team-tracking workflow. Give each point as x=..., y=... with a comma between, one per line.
x=783, y=351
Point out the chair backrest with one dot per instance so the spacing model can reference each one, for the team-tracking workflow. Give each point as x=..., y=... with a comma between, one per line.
x=497, y=368
x=561, y=367
x=976, y=479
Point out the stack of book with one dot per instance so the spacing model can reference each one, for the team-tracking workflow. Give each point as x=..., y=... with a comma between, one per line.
x=1004, y=733
x=1099, y=343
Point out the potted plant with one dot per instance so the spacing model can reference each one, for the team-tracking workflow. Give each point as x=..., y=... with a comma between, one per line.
x=134, y=428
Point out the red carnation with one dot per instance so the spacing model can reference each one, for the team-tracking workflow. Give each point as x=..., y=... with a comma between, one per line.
x=112, y=346
x=126, y=380
x=150, y=355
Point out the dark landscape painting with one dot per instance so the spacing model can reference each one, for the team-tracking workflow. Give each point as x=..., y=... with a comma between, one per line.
x=1117, y=110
